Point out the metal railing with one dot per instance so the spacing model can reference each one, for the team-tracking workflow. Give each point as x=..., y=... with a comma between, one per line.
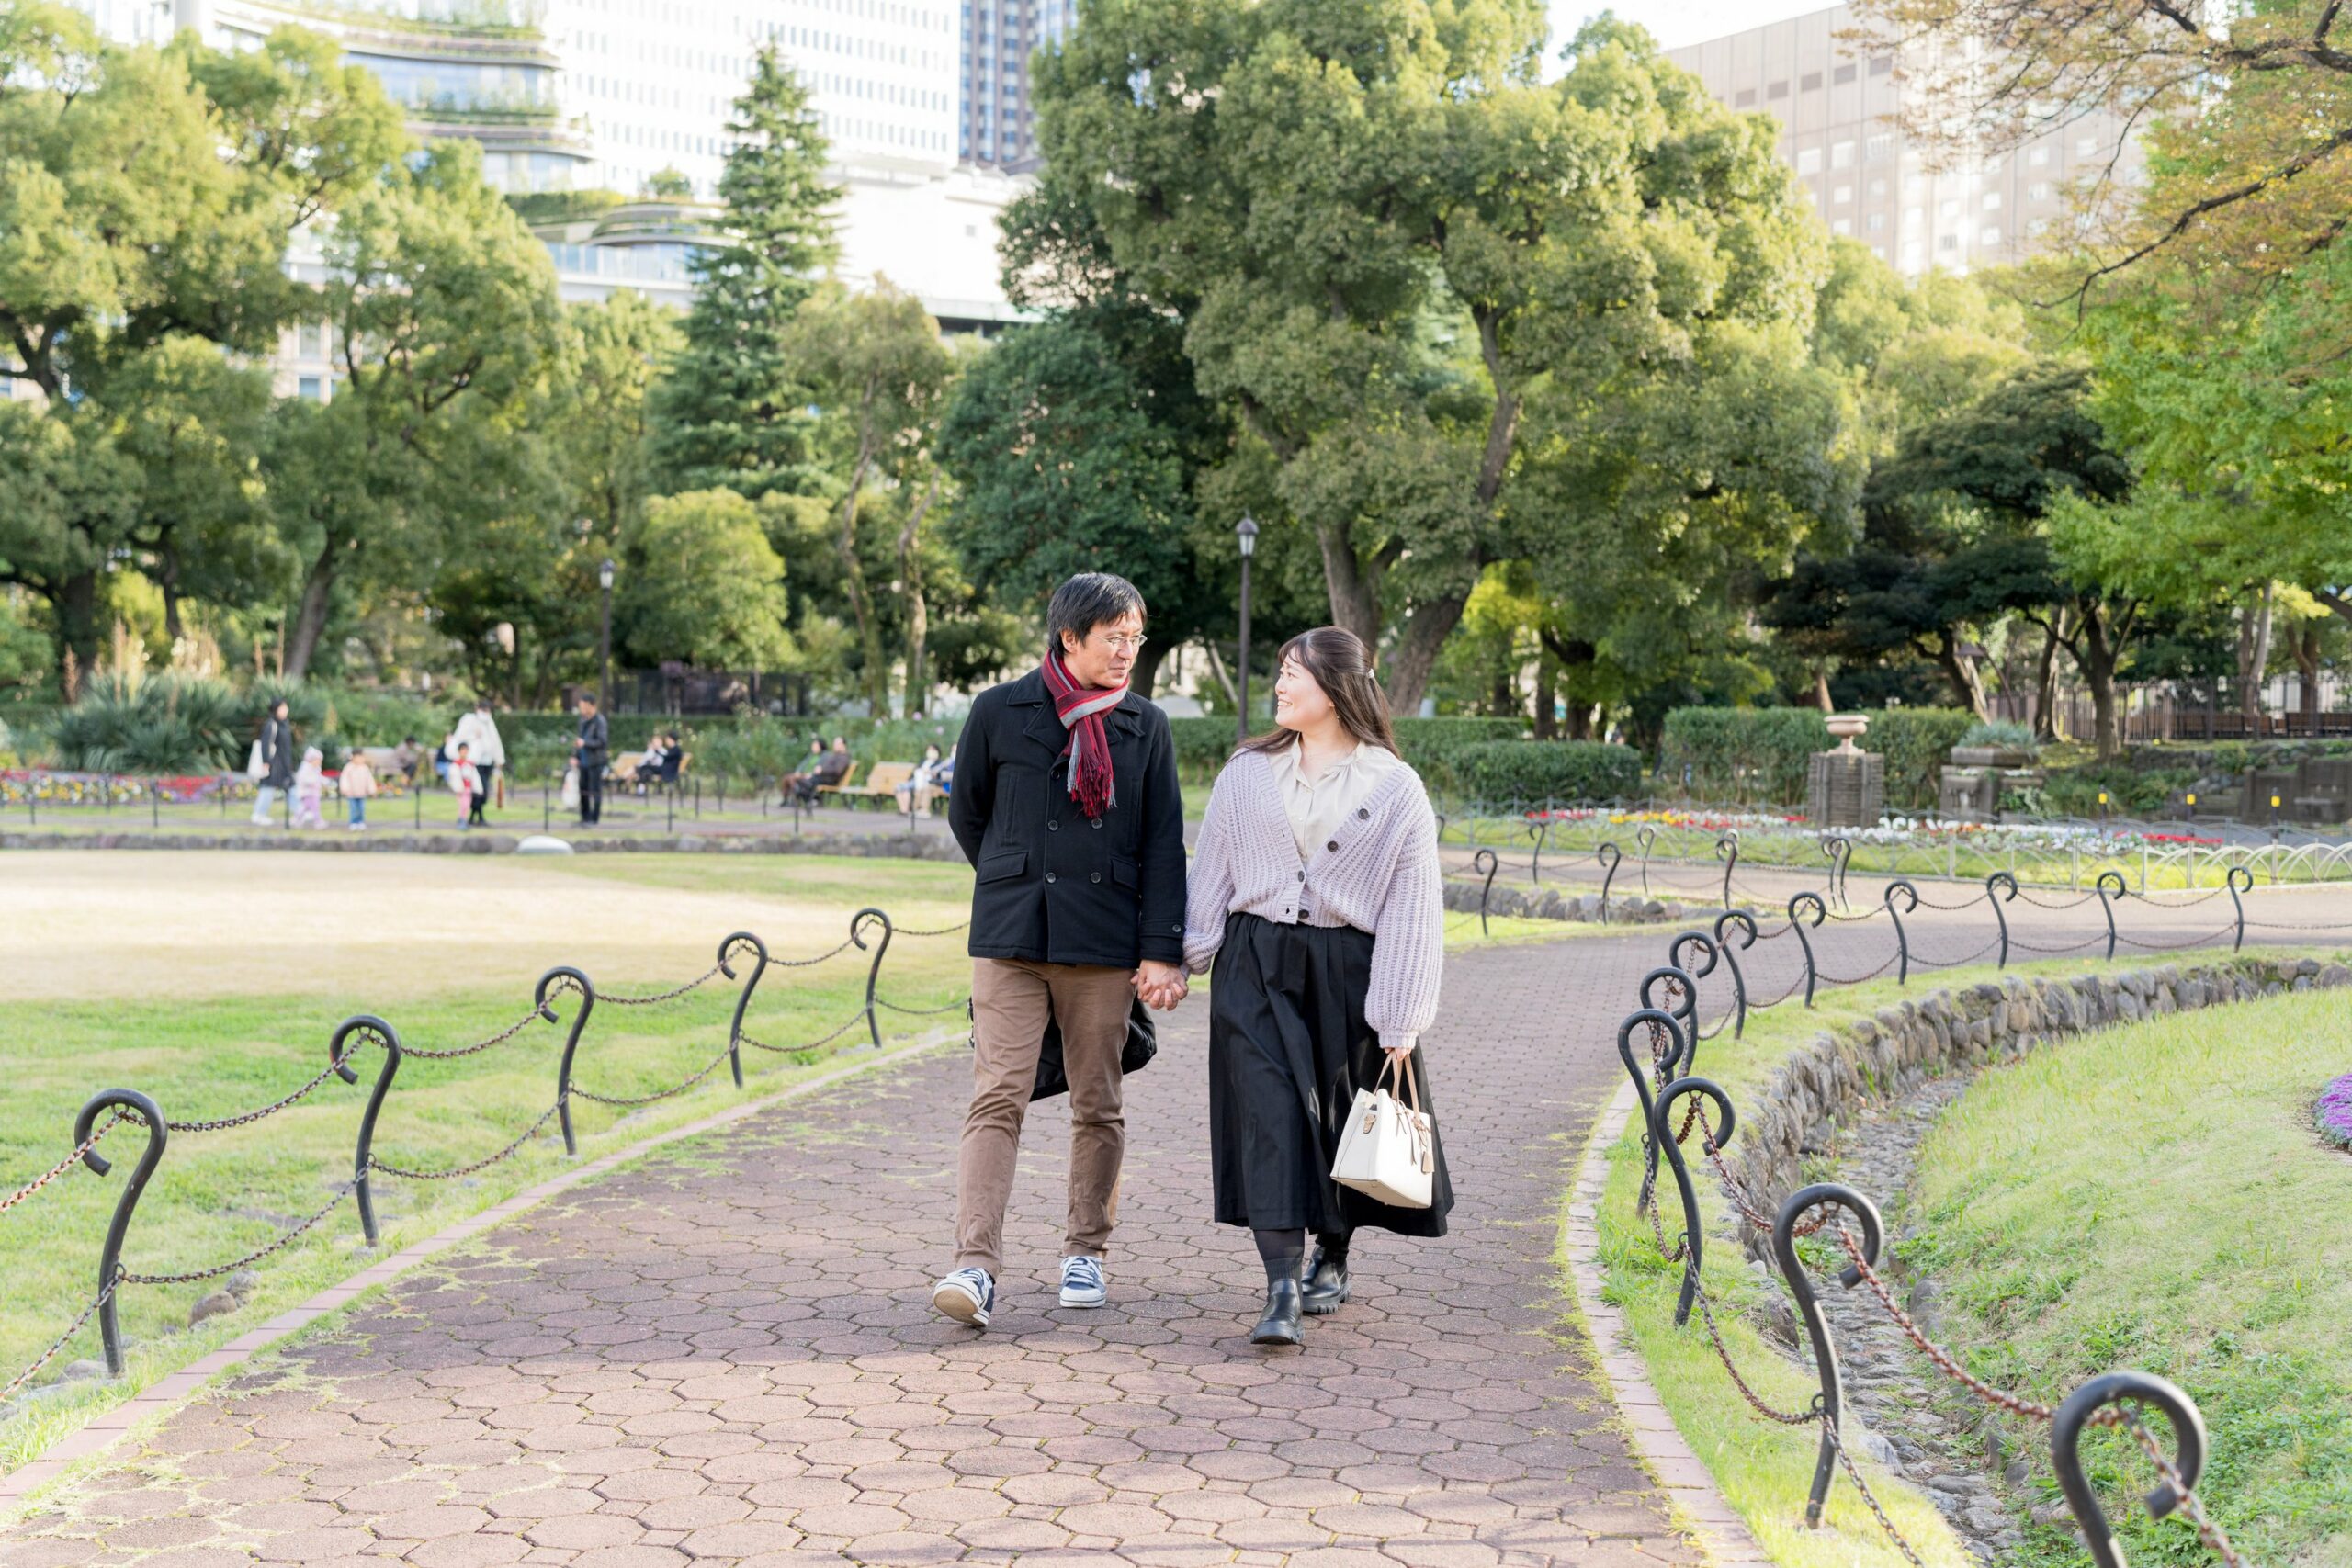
x=743, y=957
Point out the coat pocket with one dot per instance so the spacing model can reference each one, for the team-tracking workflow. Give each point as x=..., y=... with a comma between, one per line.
x=1003, y=865
x=1124, y=873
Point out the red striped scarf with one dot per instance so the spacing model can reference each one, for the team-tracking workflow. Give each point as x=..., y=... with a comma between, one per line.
x=1080, y=709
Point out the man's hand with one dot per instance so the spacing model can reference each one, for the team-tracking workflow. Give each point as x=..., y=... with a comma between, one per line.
x=1160, y=986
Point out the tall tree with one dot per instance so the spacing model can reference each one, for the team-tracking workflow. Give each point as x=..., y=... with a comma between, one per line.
x=881, y=374
x=734, y=413
x=700, y=583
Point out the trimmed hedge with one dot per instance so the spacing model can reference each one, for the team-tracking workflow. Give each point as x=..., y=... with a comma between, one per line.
x=1536, y=772
x=1760, y=754
x=1433, y=746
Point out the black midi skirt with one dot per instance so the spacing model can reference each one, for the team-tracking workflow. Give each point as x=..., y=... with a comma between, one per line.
x=1288, y=1049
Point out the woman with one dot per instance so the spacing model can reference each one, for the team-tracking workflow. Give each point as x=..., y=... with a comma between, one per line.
x=1315, y=889
x=914, y=795
x=278, y=761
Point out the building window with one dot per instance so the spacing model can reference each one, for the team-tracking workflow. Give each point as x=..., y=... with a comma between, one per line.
x=2038, y=155
x=1842, y=196
x=1881, y=64
x=1810, y=83
x=1745, y=99
x=1988, y=235
x=307, y=388
x=1878, y=149
x=1843, y=74
x=1809, y=161
x=2037, y=193
x=1842, y=226
x=1992, y=201
x=309, y=342
x=1875, y=222
x=1776, y=89
x=2085, y=146
x=1912, y=254
x=1878, y=188
x=1841, y=154
x=1948, y=207
x=1914, y=184
x=1947, y=242
x=1915, y=217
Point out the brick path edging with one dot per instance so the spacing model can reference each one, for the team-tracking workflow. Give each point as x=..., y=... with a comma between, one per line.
x=1683, y=1478
x=110, y=1427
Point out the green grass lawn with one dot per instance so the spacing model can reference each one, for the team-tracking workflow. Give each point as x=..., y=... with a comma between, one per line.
x=2197, y=1229
x=1765, y=1469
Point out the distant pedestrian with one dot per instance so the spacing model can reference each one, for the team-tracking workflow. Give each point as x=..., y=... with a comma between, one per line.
x=357, y=785
x=407, y=757
x=592, y=746
x=914, y=795
x=309, y=789
x=275, y=751
x=478, y=730
x=465, y=783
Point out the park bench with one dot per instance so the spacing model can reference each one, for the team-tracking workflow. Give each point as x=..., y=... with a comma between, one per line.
x=881, y=783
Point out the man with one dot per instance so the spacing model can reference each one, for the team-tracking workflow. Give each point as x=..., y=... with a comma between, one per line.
x=478, y=731
x=591, y=747
x=1067, y=809
x=407, y=757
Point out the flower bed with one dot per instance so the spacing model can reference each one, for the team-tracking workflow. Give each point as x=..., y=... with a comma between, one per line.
x=2334, y=1112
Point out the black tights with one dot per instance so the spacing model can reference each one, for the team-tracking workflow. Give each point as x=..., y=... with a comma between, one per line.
x=1284, y=1252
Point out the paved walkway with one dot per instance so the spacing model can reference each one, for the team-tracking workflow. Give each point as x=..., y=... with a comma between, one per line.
x=726, y=1354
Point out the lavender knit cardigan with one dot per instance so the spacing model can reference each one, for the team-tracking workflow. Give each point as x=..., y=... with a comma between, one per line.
x=1378, y=873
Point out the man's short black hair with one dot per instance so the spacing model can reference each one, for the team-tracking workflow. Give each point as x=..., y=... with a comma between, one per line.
x=1088, y=600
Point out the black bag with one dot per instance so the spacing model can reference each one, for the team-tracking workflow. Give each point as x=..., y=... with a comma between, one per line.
x=1142, y=1044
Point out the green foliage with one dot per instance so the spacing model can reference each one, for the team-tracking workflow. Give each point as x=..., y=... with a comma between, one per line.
x=1435, y=747
x=734, y=413
x=701, y=583
x=2000, y=733
x=2131, y=792
x=1537, y=773
x=1915, y=743
x=161, y=724
x=1742, y=754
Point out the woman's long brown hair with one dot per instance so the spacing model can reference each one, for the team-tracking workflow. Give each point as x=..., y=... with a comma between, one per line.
x=1341, y=665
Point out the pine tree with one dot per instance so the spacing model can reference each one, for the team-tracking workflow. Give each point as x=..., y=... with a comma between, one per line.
x=733, y=413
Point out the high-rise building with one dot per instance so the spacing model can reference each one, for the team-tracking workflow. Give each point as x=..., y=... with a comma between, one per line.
x=608, y=119
x=1835, y=102
x=996, y=122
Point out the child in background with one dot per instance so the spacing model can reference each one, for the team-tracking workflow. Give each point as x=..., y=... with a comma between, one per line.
x=310, y=785
x=465, y=783
x=356, y=784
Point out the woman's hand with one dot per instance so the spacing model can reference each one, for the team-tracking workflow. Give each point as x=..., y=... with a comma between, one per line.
x=1400, y=1059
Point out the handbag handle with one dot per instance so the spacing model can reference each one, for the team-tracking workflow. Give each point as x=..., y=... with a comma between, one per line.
x=1407, y=1084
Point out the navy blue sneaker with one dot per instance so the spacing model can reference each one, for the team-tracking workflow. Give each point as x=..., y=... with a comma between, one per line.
x=967, y=1295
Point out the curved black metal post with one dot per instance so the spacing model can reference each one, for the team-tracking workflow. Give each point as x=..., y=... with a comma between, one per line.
x=1744, y=922
x=1824, y=1352
x=1727, y=851
x=1645, y=834
x=1840, y=850
x=2123, y=889
x=1902, y=938
x=1542, y=833
x=1677, y=974
x=873, y=970
x=1485, y=859
x=1797, y=924
x=365, y=1154
x=570, y=1042
x=1664, y=1066
x=2238, y=941
x=743, y=1002
x=2066, y=1432
x=110, y=1254
x=2000, y=889
x=1610, y=857
x=1662, y=1132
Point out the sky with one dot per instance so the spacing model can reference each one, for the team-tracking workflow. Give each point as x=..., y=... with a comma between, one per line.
x=1678, y=22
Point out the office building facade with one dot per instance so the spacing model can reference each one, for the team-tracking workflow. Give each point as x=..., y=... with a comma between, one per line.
x=1837, y=103
x=997, y=115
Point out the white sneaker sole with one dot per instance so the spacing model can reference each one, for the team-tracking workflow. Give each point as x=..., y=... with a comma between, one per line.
x=1084, y=1298
x=960, y=1305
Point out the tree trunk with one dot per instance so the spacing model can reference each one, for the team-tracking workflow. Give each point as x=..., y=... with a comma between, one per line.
x=1416, y=650
x=310, y=615
x=1224, y=678
x=1146, y=674
x=76, y=605
x=1821, y=698
x=2253, y=658
x=1547, y=724
x=2306, y=648
x=918, y=607
x=1353, y=592
x=2046, y=727
x=1502, y=702
x=1967, y=681
x=2097, y=654
x=860, y=604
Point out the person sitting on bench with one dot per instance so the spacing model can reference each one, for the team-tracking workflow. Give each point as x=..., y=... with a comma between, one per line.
x=830, y=769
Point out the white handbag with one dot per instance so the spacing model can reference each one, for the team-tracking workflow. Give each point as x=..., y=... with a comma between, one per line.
x=1388, y=1150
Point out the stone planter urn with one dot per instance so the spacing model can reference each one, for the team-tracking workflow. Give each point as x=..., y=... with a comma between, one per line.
x=1846, y=786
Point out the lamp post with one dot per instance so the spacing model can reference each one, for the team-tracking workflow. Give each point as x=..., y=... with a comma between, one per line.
x=1245, y=534
x=605, y=637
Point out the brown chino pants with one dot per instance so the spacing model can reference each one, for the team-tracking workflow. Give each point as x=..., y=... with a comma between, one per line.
x=1011, y=1000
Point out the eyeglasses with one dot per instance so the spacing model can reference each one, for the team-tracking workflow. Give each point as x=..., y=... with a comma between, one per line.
x=1127, y=643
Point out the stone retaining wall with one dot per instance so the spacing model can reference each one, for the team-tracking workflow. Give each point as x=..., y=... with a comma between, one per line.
x=1553, y=904
x=1828, y=1082
x=929, y=846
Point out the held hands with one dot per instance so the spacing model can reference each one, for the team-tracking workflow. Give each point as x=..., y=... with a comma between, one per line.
x=1160, y=986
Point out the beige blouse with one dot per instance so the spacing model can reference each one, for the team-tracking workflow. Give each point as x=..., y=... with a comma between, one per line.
x=1316, y=806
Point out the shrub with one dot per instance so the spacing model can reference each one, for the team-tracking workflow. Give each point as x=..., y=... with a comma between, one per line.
x=1742, y=754
x=1533, y=773
x=2000, y=733
x=161, y=724
x=1433, y=746
x=1915, y=742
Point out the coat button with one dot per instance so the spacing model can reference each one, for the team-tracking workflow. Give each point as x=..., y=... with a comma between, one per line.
x=1332, y=845
x=1302, y=876
x=1363, y=813
x=1052, y=824
x=1093, y=876
x=1049, y=876
x=1094, y=821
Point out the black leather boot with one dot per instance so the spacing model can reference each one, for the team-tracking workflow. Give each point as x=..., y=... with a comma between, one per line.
x=1280, y=1326
x=1326, y=1284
